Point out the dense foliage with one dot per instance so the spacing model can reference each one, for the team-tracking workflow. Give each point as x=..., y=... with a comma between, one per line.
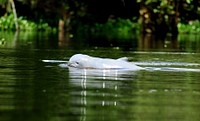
x=7, y=23
x=154, y=16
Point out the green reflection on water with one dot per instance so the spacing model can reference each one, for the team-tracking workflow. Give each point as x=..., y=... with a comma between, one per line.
x=31, y=90
x=55, y=40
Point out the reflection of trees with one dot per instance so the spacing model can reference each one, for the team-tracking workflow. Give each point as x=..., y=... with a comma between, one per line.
x=34, y=94
x=29, y=40
x=189, y=43
x=150, y=42
x=63, y=39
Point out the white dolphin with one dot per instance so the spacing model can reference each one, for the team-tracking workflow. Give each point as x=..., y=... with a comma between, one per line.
x=88, y=62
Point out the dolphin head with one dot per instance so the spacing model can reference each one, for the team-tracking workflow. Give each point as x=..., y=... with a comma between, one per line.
x=78, y=61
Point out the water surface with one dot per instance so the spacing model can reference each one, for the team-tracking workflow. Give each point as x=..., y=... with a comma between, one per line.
x=32, y=90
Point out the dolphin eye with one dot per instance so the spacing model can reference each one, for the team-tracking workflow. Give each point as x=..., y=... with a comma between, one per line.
x=77, y=62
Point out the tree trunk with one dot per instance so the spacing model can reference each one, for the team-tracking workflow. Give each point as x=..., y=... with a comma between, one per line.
x=15, y=14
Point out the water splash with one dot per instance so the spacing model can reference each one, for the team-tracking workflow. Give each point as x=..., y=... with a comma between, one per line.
x=181, y=65
x=160, y=63
x=54, y=61
x=172, y=69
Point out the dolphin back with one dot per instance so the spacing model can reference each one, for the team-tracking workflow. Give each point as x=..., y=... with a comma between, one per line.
x=89, y=62
x=121, y=63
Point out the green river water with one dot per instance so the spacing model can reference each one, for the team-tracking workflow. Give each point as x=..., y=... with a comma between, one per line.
x=32, y=90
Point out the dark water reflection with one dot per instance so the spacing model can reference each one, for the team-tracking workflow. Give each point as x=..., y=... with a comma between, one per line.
x=54, y=40
x=31, y=90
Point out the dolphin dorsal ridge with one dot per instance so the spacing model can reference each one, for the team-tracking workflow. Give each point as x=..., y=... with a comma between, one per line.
x=123, y=59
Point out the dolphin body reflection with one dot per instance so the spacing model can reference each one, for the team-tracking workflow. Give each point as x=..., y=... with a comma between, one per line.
x=82, y=61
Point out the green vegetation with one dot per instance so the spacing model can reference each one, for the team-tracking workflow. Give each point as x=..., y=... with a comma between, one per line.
x=193, y=27
x=102, y=17
x=112, y=29
x=7, y=23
